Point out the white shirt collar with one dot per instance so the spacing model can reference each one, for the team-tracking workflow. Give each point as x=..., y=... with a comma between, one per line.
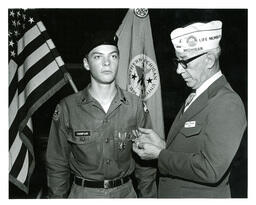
x=204, y=86
x=207, y=83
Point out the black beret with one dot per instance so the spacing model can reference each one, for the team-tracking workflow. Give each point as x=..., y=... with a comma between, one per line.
x=99, y=38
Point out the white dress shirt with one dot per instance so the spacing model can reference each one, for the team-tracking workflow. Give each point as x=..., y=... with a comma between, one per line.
x=204, y=86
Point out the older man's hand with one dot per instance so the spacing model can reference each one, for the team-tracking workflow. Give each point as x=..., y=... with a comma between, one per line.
x=146, y=151
x=149, y=136
x=148, y=145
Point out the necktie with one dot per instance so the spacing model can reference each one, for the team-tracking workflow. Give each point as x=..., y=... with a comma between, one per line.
x=189, y=99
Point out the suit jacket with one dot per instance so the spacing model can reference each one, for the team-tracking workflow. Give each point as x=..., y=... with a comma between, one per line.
x=201, y=145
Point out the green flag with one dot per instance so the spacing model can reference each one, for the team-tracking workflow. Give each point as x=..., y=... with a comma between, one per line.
x=138, y=71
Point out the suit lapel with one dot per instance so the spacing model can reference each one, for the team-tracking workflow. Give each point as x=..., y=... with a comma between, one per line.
x=199, y=104
x=193, y=109
x=174, y=124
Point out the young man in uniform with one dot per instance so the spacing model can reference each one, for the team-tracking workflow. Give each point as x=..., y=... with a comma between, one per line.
x=91, y=134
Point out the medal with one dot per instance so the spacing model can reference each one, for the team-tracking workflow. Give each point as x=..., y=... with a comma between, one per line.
x=122, y=137
x=133, y=135
x=125, y=137
x=122, y=146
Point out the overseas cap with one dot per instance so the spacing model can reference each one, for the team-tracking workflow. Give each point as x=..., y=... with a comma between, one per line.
x=99, y=38
x=197, y=37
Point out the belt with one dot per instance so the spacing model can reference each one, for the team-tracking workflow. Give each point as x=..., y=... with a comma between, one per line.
x=106, y=184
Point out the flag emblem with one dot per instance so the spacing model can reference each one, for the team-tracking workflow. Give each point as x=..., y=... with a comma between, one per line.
x=141, y=12
x=143, y=76
x=137, y=69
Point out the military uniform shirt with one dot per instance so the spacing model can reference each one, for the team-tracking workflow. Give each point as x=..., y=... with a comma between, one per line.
x=96, y=145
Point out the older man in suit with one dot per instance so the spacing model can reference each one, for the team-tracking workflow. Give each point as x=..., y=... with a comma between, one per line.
x=195, y=160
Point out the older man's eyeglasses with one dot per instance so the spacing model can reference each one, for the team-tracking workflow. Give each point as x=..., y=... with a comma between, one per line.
x=184, y=63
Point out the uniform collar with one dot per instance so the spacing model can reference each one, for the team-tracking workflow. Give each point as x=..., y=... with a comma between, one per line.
x=86, y=97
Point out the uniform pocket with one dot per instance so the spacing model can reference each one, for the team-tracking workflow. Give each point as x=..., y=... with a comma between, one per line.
x=191, y=131
x=123, y=144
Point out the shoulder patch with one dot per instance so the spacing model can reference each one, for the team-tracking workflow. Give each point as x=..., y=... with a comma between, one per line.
x=145, y=107
x=56, y=114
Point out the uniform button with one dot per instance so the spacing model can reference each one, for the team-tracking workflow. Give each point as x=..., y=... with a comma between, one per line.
x=106, y=140
x=108, y=161
x=82, y=139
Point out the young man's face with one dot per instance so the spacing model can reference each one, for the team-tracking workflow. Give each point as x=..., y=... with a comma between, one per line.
x=102, y=61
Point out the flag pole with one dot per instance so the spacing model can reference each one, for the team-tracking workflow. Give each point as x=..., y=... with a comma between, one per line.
x=59, y=61
x=68, y=78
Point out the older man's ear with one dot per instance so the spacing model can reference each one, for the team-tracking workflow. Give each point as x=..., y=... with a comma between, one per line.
x=210, y=60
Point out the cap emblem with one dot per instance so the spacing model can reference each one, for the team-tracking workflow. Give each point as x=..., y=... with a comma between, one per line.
x=191, y=41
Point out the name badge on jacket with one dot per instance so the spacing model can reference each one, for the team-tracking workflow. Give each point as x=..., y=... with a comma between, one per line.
x=189, y=124
x=82, y=133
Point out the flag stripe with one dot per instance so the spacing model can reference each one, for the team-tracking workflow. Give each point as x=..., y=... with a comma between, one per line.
x=30, y=48
x=30, y=168
x=32, y=59
x=13, y=129
x=28, y=37
x=18, y=124
x=41, y=26
x=26, y=55
x=39, y=79
x=22, y=176
x=26, y=170
x=13, y=109
x=12, y=70
x=19, y=169
x=32, y=101
x=34, y=70
x=23, y=170
x=19, y=161
x=13, y=85
x=34, y=40
x=16, y=145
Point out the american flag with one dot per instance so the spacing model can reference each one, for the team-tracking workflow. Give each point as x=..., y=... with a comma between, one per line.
x=36, y=72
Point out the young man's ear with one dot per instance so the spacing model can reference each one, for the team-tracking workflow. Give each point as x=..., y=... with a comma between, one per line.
x=86, y=64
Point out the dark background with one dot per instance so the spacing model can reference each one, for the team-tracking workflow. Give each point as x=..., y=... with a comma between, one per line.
x=69, y=27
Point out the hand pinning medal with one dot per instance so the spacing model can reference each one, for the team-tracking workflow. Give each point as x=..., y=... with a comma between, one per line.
x=125, y=137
